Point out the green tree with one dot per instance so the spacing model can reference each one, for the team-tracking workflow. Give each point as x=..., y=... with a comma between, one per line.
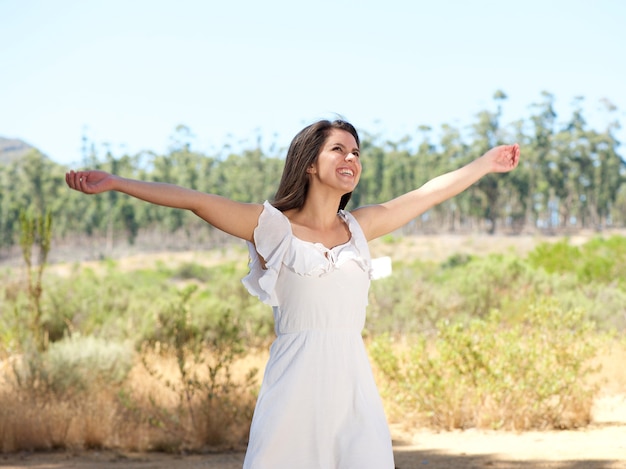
x=487, y=134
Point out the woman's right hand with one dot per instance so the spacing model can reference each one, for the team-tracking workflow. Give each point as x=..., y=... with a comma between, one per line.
x=90, y=182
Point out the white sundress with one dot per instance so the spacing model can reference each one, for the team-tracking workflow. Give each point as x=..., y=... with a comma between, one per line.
x=318, y=406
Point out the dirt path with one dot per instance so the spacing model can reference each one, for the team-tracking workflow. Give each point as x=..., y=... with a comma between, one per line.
x=597, y=447
x=601, y=445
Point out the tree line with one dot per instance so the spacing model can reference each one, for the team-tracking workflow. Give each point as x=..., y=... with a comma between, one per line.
x=571, y=177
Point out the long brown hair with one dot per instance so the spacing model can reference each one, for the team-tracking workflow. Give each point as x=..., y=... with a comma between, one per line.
x=303, y=152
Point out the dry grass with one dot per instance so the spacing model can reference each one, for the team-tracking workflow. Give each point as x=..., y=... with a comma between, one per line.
x=173, y=260
x=29, y=421
x=142, y=414
x=130, y=420
x=197, y=421
x=574, y=411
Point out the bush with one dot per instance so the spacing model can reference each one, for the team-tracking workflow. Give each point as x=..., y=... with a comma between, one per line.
x=556, y=257
x=64, y=397
x=604, y=261
x=497, y=281
x=489, y=373
x=192, y=271
x=210, y=402
x=600, y=260
x=403, y=301
x=418, y=295
x=74, y=366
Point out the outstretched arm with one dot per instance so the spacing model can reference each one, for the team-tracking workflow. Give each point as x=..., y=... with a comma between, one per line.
x=378, y=220
x=235, y=218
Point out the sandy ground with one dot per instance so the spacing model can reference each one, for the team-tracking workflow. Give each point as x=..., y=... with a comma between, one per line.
x=602, y=445
x=593, y=448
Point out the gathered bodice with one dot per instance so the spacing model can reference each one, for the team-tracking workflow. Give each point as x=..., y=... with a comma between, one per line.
x=309, y=286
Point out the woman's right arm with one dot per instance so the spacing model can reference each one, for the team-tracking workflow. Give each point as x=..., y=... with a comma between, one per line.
x=235, y=218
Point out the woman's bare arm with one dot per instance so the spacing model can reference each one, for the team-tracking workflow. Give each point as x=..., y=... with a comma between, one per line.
x=378, y=220
x=235, y=218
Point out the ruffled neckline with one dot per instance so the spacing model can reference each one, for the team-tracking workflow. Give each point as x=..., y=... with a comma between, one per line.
x=322, y=247
x=275, y=242
x=314, y=258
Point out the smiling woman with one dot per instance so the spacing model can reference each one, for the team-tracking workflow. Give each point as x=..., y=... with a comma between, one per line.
x=339, y=156
x=309, y=259
x=301, y=159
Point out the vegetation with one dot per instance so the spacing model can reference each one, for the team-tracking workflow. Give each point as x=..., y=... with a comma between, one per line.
x=500, y=341
x=35, y=232
x=122, y=370
x=570, y=177
x=493, y=373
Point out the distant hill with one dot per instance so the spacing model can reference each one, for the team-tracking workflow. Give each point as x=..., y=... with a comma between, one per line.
x=12, y=149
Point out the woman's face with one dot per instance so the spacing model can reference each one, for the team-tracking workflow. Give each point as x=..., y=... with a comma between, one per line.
x=338, y=165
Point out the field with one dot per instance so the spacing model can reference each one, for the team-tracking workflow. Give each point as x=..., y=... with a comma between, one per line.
x=599, y=444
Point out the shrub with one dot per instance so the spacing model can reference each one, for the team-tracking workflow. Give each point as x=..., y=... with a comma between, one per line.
x=604, y=260
x=63, y=397
x=210, y=402
x=600, y=260
x=490, y=373
x=419, y=295
x=556, y=257
x=403, y=301
x=74, y=366
x=192, y=271
x=496, y=281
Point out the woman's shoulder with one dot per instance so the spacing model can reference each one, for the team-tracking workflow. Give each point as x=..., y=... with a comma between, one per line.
x=271, y=221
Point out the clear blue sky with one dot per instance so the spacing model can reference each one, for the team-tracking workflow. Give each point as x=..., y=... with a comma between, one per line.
x=127, y=72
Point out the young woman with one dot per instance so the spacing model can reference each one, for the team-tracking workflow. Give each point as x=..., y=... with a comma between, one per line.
x=318, y=407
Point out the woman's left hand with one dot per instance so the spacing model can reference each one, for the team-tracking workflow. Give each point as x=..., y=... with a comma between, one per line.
x=503, y=158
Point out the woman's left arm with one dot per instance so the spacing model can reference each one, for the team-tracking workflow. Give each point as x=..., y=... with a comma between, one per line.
x=380, y=219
